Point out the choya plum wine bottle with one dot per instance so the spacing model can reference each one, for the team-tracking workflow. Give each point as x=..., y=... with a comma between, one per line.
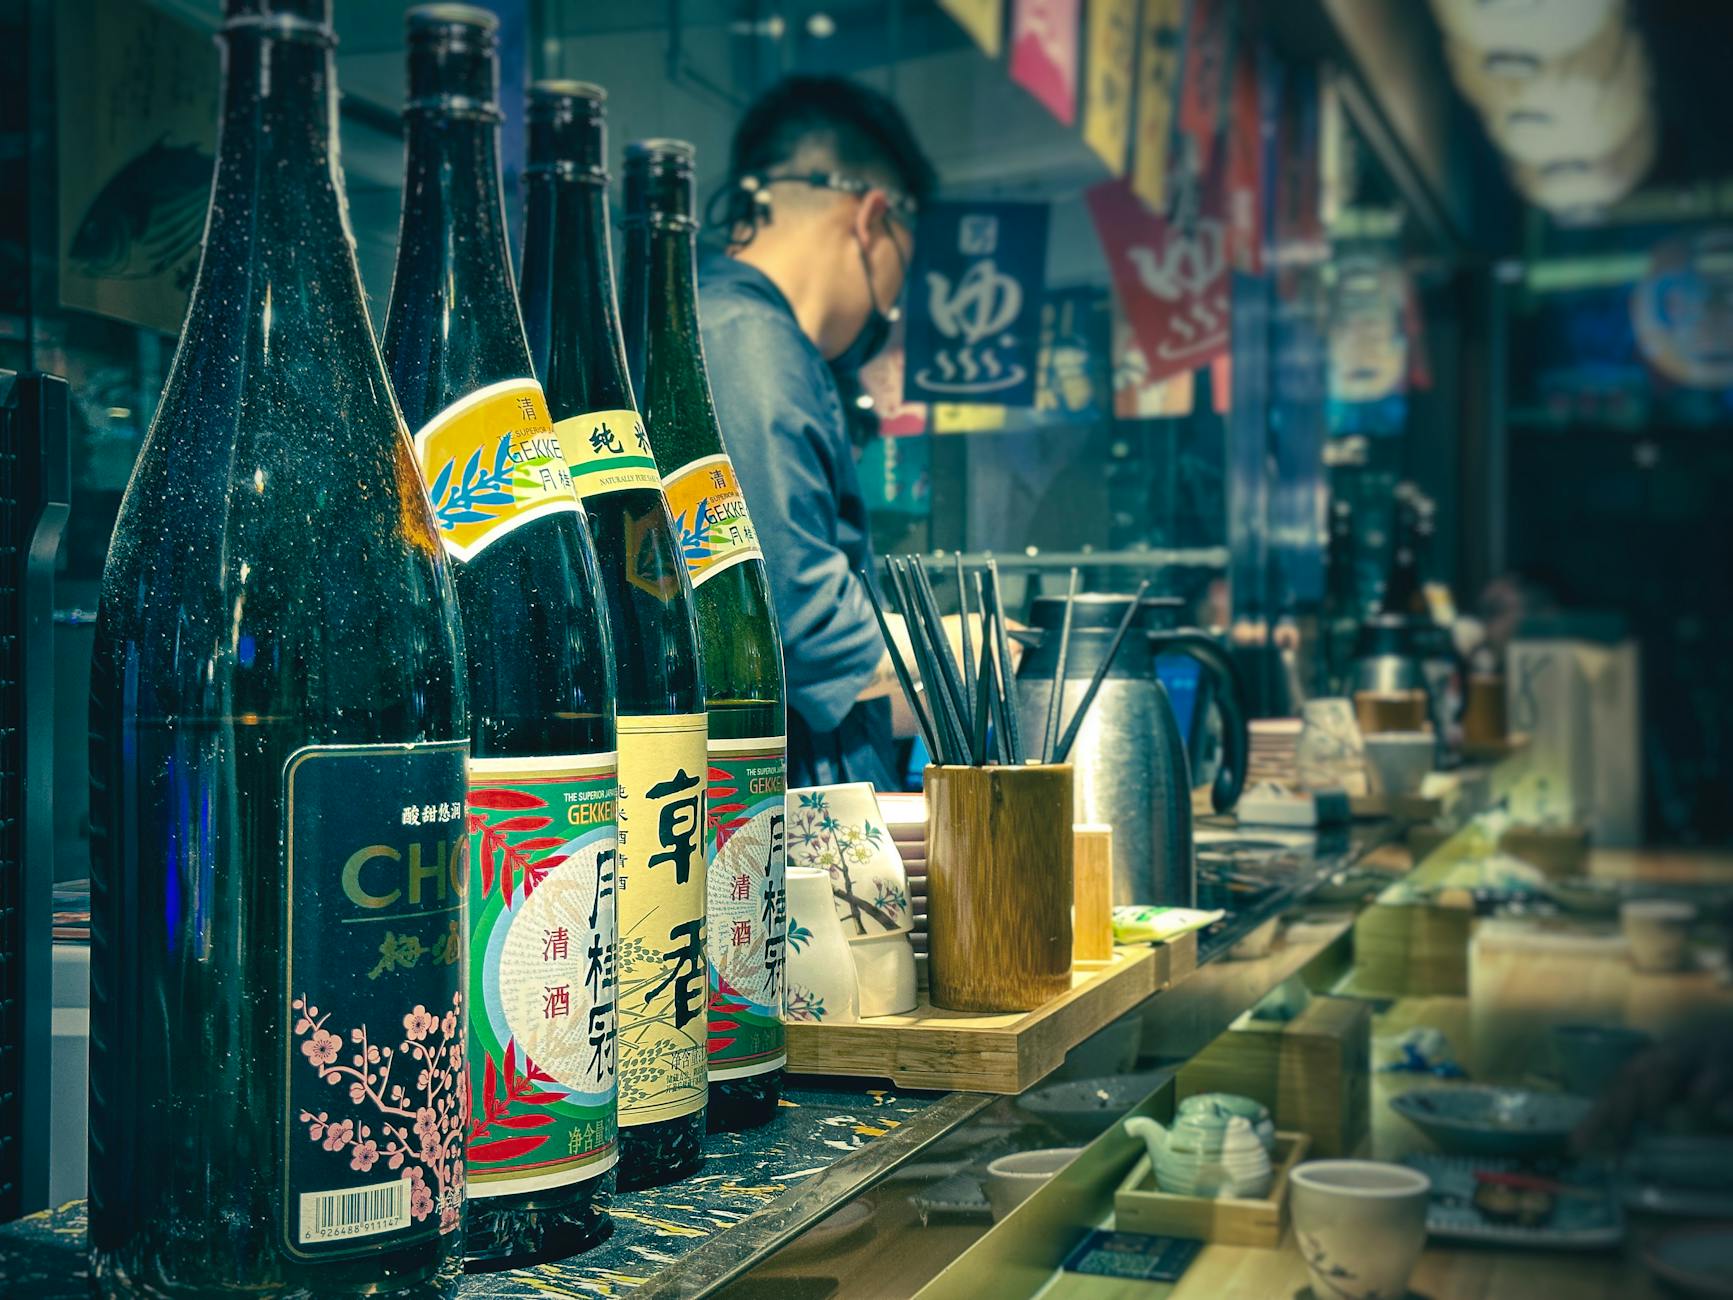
x=568, y=290
x=543, y=772
x=278, y=749
x=745, y=840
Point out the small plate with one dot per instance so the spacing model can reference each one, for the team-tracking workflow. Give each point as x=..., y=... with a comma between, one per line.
x=1698, y=1261
x=1084, y=1109
x=1478, y=1120
x=1577, y=1223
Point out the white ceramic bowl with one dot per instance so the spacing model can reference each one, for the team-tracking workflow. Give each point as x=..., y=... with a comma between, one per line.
x=1399, y=760
x=1011, y=1180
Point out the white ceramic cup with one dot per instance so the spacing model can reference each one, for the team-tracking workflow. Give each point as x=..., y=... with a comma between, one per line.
x=1360, y=1226
x=822, y=984
x=1011, y=1180
x=1399, y=760
x=840, y=829
x=1658, y=931
x=885, y=969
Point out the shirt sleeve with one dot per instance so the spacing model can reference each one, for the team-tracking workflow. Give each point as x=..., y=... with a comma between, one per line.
x=784, y=432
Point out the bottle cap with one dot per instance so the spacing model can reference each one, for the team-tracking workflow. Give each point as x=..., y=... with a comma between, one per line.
x=304, y=20
x=567, y=128
x=658, y=183
x=453, y=61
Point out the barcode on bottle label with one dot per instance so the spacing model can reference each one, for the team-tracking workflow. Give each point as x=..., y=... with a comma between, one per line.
x=360, y=1212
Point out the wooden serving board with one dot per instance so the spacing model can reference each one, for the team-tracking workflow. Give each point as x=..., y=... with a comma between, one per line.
x=999, y=1052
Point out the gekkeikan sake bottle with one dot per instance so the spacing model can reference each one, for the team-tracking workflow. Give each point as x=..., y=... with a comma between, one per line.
x=543, y=772
x=569, y=284
x=746, y=832
x=278, y=744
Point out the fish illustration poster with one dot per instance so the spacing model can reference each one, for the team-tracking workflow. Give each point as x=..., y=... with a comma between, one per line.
x=137, y=144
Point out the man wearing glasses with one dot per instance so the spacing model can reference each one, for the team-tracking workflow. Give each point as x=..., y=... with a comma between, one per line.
x=825, y=179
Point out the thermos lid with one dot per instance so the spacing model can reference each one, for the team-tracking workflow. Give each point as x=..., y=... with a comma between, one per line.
x=1102, y=611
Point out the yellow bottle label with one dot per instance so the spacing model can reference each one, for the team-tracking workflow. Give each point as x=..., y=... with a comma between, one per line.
x=663, y=1015
x=710, y=516
x=608, y=451
x=491, y=463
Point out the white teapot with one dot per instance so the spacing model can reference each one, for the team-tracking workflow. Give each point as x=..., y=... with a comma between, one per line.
x=1207, y=1155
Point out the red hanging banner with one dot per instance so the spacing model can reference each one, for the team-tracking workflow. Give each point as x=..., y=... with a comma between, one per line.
x=1044, y=53
x=1171, y=283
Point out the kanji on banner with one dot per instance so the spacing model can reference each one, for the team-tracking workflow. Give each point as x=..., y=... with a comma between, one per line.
x=982, y=19
x=1107, y=80
x=974, y=304
x=1172, y=283
x=1044, y=53
x=1159, y=41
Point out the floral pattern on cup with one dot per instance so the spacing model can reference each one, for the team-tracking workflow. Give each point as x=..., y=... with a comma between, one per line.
x=803, y=1004
x=838, y=830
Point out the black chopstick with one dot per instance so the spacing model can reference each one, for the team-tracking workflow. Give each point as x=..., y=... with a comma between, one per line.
x=949, y=679
x=1007, y=680
x=1055, y=699
x=904, y=678
x=968, y=646
x=948, y=727
x=1125, y=622
x=990, y=662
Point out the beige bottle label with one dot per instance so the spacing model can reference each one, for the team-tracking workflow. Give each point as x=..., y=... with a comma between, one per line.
x=710, y=518
x=608, y=451
x=492, y=463
x=663, y=1017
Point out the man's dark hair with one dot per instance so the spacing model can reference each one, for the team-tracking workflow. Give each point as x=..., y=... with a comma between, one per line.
x=865, y=132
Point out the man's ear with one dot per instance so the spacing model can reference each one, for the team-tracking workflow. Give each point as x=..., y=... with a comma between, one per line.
x=870, y=216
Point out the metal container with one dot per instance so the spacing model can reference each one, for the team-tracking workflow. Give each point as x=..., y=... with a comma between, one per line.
x=1131, y=766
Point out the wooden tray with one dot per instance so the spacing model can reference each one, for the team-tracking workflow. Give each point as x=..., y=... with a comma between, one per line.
x=1138, y=1207
x=1004, y=1052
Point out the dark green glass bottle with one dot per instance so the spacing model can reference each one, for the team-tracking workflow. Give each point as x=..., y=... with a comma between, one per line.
x=276, y=688
x=569, y=282
x=543, y=774
x=746, y=834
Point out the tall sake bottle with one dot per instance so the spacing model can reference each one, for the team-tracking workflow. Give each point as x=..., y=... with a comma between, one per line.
x=543, y=770
x=745, y=838
x=278, y=744
x=569, y=283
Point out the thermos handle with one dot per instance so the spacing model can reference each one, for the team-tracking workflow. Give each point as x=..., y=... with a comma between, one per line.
x=1236, y=739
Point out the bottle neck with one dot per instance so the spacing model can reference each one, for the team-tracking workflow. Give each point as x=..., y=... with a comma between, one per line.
x=677, y=401
x=453, y=324
x=277, y=213
x=586, y=367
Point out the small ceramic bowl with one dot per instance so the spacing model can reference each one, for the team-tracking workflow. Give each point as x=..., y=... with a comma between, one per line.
x=1399, y=760
x=1011, y=1180
x=1487, y=1121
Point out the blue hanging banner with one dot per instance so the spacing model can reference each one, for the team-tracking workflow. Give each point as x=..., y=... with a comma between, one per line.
x=974, y=304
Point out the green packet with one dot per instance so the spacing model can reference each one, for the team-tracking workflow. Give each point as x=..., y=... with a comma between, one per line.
x=1144, y=923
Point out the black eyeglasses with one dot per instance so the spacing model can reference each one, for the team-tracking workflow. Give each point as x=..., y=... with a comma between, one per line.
x=747, y=201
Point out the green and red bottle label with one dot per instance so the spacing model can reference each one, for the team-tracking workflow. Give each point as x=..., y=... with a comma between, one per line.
x=710, y=516
x=746, y=844
x=543, y=987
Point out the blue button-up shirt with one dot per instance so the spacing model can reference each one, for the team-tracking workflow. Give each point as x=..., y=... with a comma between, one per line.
x=783, y=424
